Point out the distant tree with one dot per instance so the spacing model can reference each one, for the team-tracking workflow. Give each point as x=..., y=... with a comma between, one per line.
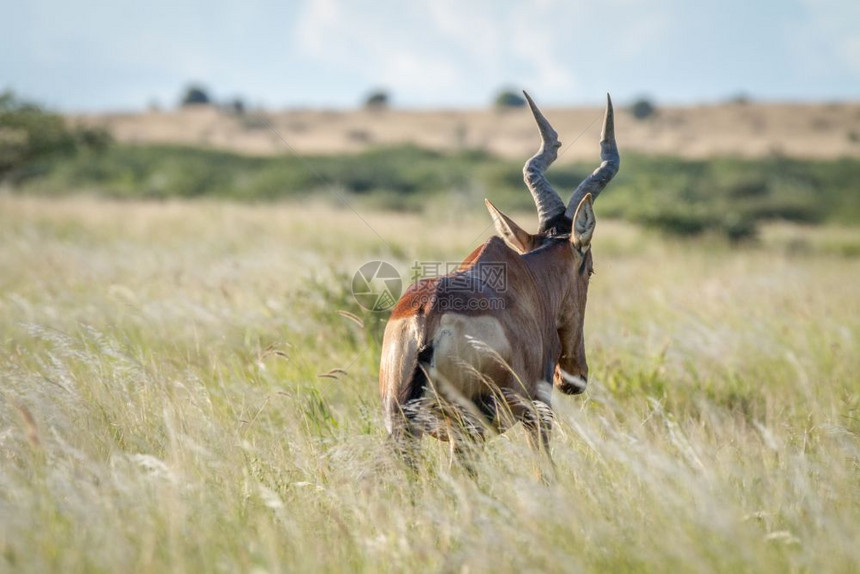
x=195, y=94
x=509, y=99
x=377, y=99
x=96, y=139
x=236, y=106
x=740, y=99
x=29, y=135
x=738, y=228
x=643, y=109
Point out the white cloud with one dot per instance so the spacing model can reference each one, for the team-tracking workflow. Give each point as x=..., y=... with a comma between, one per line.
x=376, y=42
x=428, y=48
x=826, y=40
x=493, y=39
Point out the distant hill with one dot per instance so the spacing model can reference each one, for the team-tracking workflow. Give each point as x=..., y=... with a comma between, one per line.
x=813, y=131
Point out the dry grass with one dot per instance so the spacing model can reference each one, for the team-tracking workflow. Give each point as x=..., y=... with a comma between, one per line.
x=821, y=131
x=161, y=408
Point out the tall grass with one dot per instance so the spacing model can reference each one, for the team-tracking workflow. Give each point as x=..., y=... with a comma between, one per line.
x=162, y=410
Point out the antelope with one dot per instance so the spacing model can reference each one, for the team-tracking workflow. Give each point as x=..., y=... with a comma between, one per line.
x=477, y=353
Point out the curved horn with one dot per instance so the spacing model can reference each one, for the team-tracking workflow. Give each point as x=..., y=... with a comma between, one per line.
x=549, y=204
x=610, y=162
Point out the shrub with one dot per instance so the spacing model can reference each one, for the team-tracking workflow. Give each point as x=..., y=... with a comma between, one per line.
x=509, y=99
x=740, y=99
x=30, y=135
x=746, y=188
x=737, y=227
x=377, y=100
x=236, y=106
x=680, y=221
x=643, y=109
x=195, y=94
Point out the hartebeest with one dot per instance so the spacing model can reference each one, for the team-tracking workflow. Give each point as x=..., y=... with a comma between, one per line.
x=474, y=345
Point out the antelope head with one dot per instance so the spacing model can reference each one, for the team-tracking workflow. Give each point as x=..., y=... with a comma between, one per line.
x=566, y=231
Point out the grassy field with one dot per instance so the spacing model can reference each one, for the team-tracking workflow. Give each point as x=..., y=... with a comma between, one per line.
x=161, y=408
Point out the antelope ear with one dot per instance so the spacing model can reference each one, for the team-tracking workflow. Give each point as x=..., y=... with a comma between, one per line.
x=514, y=235
x=583, y=224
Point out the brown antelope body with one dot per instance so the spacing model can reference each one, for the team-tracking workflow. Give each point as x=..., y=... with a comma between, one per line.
x=476, y=349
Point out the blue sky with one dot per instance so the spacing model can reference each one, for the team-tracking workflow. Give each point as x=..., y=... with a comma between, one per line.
x=97, y=55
